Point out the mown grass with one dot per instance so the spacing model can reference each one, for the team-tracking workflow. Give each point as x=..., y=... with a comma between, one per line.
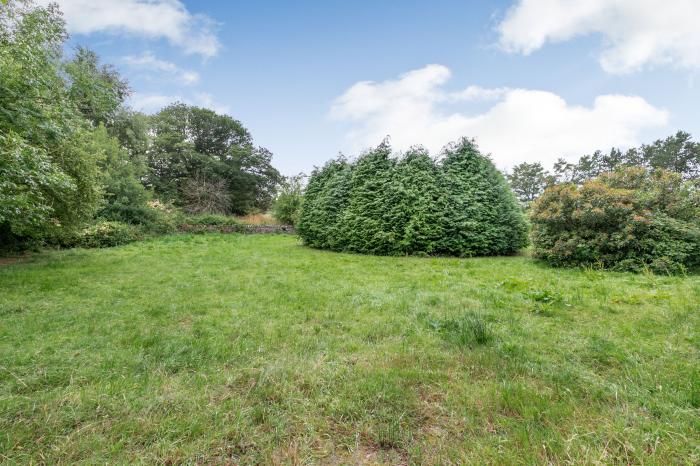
x=255, y=349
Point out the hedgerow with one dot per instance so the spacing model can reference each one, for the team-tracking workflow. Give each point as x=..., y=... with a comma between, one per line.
x=631, y=219
x=378, y=204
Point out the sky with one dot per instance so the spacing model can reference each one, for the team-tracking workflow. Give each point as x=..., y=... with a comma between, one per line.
x=529, y=80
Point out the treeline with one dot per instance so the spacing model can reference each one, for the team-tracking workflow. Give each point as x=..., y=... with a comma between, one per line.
x=677, y=153
x=381, y=204
x=72, y=153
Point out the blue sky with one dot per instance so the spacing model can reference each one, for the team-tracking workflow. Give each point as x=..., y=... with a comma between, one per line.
x=530, y=80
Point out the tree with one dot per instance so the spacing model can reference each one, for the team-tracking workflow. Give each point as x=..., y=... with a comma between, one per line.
x=125, y=198
x=677, y=153
x=528, y=181
x=131, y=129
x=97, y=90
x=364, y=226
x=201, y=195
x=461, y=206
x=288, y=202
x=47, y=138
x=191, y=142
x=326, y=197
x=28, y=180
x=481, y=215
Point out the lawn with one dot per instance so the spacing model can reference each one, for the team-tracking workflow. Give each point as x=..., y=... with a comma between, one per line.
x=255, y=349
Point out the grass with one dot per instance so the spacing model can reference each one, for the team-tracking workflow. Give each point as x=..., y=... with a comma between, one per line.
x=254, y=349
x=258, y=219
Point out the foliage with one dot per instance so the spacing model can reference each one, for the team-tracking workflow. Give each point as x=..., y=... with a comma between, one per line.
x=211, y=220
x=125, y=198
x=629, y=219
x=528, y=181
x=481, y=215
x=103, y=234
x=208, y=223
x=97, y=90
x=131, y=130
x=677, y=153
x=287, y=205
x=28, y=180
x=71, y=152
x=249, y=349
x=40, y=121
x=192, y=143
x=460, y=206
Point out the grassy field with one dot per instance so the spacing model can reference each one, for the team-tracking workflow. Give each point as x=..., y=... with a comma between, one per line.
x=255, y=349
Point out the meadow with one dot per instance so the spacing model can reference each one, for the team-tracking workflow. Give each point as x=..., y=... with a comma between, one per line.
x=255, y=349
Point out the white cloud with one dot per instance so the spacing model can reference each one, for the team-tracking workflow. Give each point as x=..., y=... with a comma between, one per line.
x=521, y=125
x=167, y=19
x=479, y=93
x=203, y=99
x=637, y=33
x=149, y=61
x=152, y=103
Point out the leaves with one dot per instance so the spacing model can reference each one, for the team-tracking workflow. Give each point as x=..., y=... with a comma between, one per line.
x=412, y=205
x=629, y=219
x=192, y=143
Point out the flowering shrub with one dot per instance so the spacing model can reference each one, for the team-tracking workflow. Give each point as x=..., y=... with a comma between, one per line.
x=104, y=235
x=630, y=219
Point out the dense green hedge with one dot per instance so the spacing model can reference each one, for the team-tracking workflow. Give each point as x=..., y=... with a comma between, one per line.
x=630, y=219
x=459, y=206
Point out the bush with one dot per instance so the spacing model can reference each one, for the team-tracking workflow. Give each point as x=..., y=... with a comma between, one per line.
x=216, y=220
x=460, y=206
x=201, y=195
x=209, y=222
x=288, y=202
x=630, y=219
x=103, y=235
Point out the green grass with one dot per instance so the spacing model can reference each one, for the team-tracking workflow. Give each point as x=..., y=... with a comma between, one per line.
x=255, y=349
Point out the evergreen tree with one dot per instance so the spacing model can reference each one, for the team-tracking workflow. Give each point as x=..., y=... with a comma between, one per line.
x=380, y=205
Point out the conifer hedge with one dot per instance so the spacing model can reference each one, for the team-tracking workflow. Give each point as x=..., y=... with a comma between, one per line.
x=378, y=204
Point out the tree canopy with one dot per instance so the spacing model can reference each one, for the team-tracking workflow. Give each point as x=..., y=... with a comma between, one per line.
x=72, y=151
x=677, y=153
x=197, y=150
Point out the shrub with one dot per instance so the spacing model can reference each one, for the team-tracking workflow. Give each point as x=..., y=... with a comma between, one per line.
x=288, y=202
x=202, y=195
x=460, y=206
x=209, y=222
x=103, y=235
x=217, y=220
x=630, y=219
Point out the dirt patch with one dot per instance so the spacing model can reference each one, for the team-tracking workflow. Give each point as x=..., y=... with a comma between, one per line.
x=9, y=260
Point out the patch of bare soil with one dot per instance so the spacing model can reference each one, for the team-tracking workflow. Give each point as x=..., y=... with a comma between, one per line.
x=8, y=260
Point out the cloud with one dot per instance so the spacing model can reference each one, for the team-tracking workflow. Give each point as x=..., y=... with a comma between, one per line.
x=521, y=124
x=203, y=99
x=155, y=19
x=152, y=103
x=149, y=61
x=637, y=33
